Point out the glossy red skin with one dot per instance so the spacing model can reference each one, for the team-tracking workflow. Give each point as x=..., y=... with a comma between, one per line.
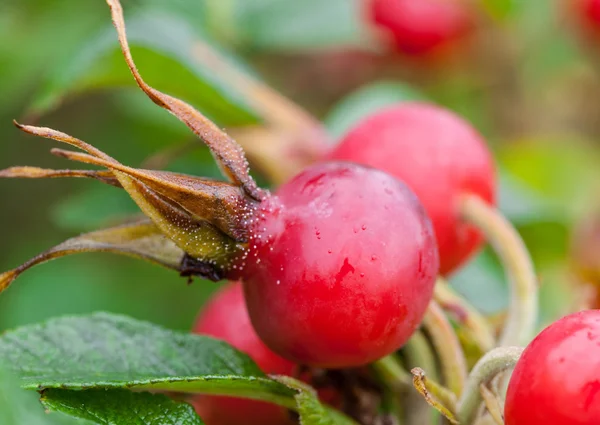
x=423, y=26
x=341, y=266
x=439, y=156
x=557, y=379
x=225, y=317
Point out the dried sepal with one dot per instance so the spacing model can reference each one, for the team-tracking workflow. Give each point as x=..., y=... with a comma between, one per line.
x=46, y=173
x=227, y=152
x=219, y=203
x=436, y=396
x=141, y=239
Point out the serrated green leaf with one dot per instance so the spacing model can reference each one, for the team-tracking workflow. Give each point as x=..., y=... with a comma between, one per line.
x=367, y=100
x=120, y=407
x=164, y=48
x=18, y=407
x=111, y=351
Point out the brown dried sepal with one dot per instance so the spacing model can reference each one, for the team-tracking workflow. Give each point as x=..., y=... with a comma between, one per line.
x=141, y=239
x=441, y=399
x=223, y=205
x=227, y=152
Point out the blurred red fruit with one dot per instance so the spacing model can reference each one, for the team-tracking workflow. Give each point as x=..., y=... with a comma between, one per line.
x=225, y=317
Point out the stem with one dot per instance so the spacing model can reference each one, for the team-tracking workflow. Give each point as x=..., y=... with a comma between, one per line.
x=478, y=328
x=392, y=372
x=520, y=324
x=494, y=362
x=418, y=352
x=291, y=138
x=492, y=404
x=447, y=346
x=435, y=395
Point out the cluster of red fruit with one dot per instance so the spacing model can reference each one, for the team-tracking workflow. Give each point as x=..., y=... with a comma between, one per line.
x=343, y=258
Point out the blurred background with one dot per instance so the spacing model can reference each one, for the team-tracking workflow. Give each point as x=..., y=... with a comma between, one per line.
x=526, y=74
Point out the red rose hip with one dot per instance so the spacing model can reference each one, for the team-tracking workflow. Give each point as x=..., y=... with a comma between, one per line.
x=587, y=15
x=557, y=379
x=423, y=26
x=341, y=266
x=225, y=317
x=439, y=156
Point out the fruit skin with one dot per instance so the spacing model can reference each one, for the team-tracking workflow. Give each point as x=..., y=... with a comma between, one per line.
x=341, y=266
x=225, y=317
x=421, y=27
x=557, y=379
x=587, y=15
x=439, y=156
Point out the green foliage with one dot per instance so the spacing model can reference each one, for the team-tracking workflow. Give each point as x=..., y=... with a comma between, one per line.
x=368, y=100
x=168, y=43
x=18, y=406
x=118, y=352
x=120, y=407
x=115, y=353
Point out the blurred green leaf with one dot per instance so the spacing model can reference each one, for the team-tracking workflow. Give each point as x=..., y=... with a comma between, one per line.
x=164, y=48
x=120, y=407
x=482, y=282
x=522, y=204
x=19, y=407
x=565, y=173
x=500, y=9
x=114, y=351
x=93, y=208
x=288, y=25
x=368, y=100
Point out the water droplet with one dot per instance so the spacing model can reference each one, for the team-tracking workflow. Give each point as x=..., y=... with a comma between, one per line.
x=362, y=275
x=373, y=258
x=364, y=227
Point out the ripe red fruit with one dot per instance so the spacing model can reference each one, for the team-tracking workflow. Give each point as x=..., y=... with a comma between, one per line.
x=341, y=266
x=557, y=379
x=439, y=156
x=225, y=317
x=587, y=13
x=423, y=26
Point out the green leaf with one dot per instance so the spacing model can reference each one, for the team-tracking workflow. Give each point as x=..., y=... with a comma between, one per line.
x=500, y=9
x=482, y=282
x=113, y=351
x=93, y=208
x=368, y=100
x=563, y=172
x=120, y=407
x=311, y=411
x=19, y=407
x=522, y=204
x=164, y=48
x=298, y=25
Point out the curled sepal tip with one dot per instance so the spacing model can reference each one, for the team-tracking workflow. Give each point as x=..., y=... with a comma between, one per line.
x=227, y=152
x=47, y=173
x=192, y=211
x=437, y=397
x=140, y=239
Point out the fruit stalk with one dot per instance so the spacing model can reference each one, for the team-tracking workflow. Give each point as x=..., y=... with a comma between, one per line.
x=490, y=365
x=447, y=346
x=520, y=324
x=472, y=320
